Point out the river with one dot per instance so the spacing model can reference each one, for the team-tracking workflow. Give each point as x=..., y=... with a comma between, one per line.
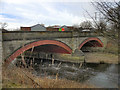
x=99, y=75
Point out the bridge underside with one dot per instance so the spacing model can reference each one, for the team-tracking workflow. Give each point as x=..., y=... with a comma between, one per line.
x=91, y=44
x=50, y=48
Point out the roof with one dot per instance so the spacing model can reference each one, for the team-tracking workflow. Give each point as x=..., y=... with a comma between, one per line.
x=4, y=30
x=37, y=25
x=86, y=30
x=63, y=26
x=55, y=26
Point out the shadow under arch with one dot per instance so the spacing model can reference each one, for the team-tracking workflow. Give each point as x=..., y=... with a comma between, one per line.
x=38, y=43
x=97, y=42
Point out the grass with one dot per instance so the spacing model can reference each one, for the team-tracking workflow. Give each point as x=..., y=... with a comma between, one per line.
x=100, y=57
x=108, y=55
x=23, y=78
x=71, y=58
x=112, y=47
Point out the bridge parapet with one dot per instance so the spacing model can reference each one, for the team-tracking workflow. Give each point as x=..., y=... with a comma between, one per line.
x=27, y=35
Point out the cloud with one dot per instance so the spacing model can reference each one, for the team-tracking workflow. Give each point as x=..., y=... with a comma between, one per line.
x=28, y=12
x=39, y=1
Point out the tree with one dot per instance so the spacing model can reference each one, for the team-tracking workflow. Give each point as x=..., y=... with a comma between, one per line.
x=111, y=14
x=3, y=25
x=86, y=24
x=101, y=26
x=110, y=10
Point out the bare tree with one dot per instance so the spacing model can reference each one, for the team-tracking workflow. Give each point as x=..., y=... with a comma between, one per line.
x=110, y=10
x=3, y=25
x=101, y=26
x=111, y=14
x=86, y=24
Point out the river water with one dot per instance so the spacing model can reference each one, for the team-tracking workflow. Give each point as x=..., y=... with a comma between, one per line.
x=99, y=75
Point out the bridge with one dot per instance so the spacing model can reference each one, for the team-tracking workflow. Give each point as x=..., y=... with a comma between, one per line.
x=14, y=43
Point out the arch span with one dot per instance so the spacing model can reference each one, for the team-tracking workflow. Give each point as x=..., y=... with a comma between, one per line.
x=97, y=41
x=38, y=43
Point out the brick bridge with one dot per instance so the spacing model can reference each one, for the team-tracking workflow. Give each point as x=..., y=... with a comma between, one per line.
x=15, y=43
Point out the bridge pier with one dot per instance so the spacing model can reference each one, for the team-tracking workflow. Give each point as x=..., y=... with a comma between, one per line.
x=78, y=53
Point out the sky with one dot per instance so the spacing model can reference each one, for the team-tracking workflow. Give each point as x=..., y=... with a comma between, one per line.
x=27, y=13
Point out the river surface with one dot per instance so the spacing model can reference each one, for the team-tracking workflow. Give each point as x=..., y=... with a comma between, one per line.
x=99, y=75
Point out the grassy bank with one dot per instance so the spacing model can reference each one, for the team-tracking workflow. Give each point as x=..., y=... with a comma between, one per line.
x=108, y=55
x=23, y=78
x=101, y=57
x=71, y=58
x=92, y=57
x=112, y=47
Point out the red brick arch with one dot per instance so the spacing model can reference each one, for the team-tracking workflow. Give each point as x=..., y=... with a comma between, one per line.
x=38, y=43
x=91, y=39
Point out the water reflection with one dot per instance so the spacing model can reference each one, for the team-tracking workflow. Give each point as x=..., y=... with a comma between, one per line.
x=108, y=78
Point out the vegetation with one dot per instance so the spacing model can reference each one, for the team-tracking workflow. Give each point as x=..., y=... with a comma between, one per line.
x=70, y=58
x=108, y=26
x=3, y=25
x=98, y=57
x=111, y=16
x=86, y=24
x=16, y=77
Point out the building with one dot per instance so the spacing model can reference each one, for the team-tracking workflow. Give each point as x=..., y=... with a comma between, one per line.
x=67, y=28
x=41, y=27
x=4, y=30
x=25, y=28
x=57, y=28
x=53, y=28
x=37, y=27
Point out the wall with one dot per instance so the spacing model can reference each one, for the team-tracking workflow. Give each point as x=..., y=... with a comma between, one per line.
x=25, y=28
x=52, y=29
x=16, y=39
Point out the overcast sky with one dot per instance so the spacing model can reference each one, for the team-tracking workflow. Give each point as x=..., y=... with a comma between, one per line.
x=30, y=12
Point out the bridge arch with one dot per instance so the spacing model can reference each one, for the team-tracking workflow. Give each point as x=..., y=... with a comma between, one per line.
x=62, y=45
x=91, y=42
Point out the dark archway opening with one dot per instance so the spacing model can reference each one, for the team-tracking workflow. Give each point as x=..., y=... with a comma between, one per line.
x=42, y=53
x=90, y=46
x=49, y=48
x=46, y=46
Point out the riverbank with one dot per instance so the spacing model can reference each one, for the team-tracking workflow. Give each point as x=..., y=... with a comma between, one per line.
x=101, y=57
x=91, y=57
x=23, y=78
x=69, y=58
